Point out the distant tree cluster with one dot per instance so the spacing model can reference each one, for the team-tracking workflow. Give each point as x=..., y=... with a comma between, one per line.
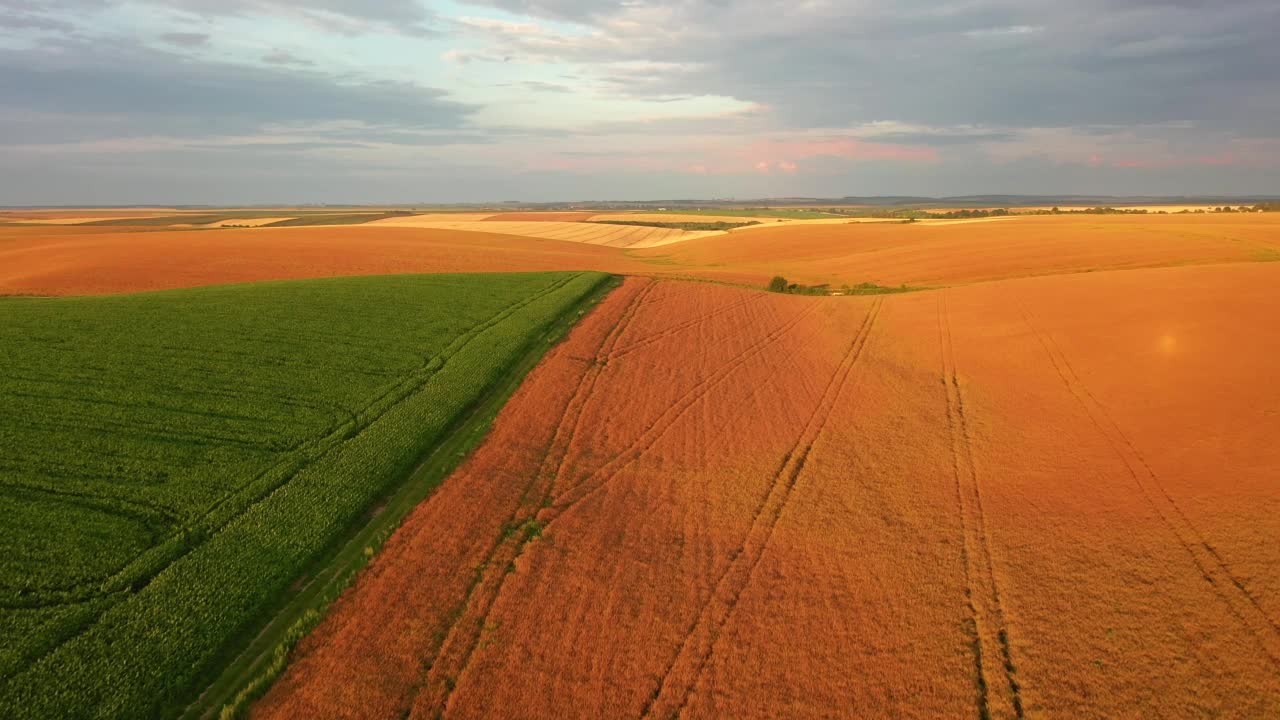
x=1265, y=207
x=965, y=214
x=780, y=284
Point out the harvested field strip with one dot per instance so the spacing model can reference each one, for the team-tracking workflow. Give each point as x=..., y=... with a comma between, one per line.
x=1209, y=563
x=541, y=216
x=520, y=528
x=189, y=219
x=621, y=236
x=999, y=694
x=418, y=220
x=342, y=219
x=680, y=677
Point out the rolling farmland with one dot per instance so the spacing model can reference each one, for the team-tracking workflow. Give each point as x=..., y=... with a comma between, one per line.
x=956, y=503
x=1037, y=483
x=103, y=259
x=639, y=360
x=172, y=462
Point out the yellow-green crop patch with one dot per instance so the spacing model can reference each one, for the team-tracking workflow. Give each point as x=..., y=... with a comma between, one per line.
x=170, y=462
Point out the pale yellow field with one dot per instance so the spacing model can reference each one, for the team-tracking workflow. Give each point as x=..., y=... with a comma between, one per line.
x=676, y=217
x=771, y=223
x=622, y=236
x=246, y=222
x=966, y=221
x=431, y=219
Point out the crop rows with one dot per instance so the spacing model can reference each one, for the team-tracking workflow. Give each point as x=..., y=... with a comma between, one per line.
x=159, y=512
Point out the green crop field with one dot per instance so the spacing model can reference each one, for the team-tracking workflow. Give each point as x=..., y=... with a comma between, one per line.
x=171, y=462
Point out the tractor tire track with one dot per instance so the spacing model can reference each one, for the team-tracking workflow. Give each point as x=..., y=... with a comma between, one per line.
x=671, y=696
x=659, y=428
x=460, y=638
x=1240, y=602
x=999, y=693
x=677, y=328
x=464, y=634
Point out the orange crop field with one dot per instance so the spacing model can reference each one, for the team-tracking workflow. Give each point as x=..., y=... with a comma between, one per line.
x=1042, y=484
x=989, y=249
x=1045, y=497
x=640, y=360
x=99, y=260
x=61, y=260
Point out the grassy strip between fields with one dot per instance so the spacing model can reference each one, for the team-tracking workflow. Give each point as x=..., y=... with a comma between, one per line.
x=345, y=219
x=175, y=632
x=252, y=673
x=189, y=219
x=688, y=226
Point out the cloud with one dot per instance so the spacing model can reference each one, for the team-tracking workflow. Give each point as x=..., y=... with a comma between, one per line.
x=280, y=57
x=983, y=62
x=641, y=98
x=185, y=39
x=538, y=86
x=158, y=92
x=348, y=17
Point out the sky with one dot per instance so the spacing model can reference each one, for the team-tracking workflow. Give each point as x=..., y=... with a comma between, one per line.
x=443, y=101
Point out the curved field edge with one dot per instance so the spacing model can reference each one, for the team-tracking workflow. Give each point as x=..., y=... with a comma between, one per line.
x=252, y=674
x=235, y=580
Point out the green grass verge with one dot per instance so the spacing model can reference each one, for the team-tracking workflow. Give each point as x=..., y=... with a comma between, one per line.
x=189, y=219
x=171, y=462
x=252, y=673
x=344, y=219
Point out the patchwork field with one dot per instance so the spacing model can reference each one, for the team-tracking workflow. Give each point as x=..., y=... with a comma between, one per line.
x=998, y=501
x=926, y=254
x=74, y=261
x=173, y=462
x=103, y=259
x=620, y=236
x=1039, y=482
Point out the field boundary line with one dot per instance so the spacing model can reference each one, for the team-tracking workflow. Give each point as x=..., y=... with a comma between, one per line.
x=698, y=645
x=264, y=657
x=658, y=428
x=549, y=514
x=986, y=623
x=187, y=536
x=1211, y=565
x=461, y=636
